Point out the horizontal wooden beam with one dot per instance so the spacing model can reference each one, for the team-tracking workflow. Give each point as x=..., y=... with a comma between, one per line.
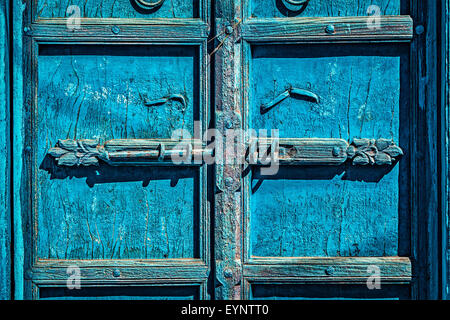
x=186, y=30
x=390, y=28
x=119, y=270
x=345, y=269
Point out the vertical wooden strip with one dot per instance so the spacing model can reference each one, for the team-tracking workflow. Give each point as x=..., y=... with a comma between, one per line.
x=425, y=111
x=226, y=55
x=445, y=139
x=18, y=8
x=5, y=212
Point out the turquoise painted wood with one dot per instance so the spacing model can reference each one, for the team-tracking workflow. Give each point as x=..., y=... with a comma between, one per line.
x=327, y=292
x=115, y=213
x=342, y=211
x=5, y=212
x=121, y=293
x=120, y=9
x=289, y=8
x=148, y=229
x=146, y=226
x=302, y=222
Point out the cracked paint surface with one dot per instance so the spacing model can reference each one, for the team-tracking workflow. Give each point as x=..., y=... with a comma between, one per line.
x=335, y=8
x=104, y=212
x=332, y=211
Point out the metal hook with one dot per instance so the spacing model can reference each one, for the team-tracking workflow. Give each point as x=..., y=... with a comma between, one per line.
x=288, y=93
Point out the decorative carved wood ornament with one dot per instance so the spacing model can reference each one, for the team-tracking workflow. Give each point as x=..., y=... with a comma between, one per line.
x=288, y=152
x=123, y=152
x=325, y=151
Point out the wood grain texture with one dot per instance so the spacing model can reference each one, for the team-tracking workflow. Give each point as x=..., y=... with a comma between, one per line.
x=123, y=292
x=5, y=210
x=315, y=151
x=445, y=147
x=112, y=102
x=425, y=203
x=120, y=9
x=128, y=152
x=326, y=291
x=21, y=203
x=392, y=28
x=331, y=269
x=323, y=8
x=128, y=30
x=361, y=90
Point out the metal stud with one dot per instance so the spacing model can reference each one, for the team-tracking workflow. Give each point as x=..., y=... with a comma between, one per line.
x=330, y=29
x=115, y=30
x=329, y=271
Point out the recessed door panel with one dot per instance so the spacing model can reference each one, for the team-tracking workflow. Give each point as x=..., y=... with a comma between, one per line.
x=327, y=292
x=357, y=90
x=120, y=9
x=322, y=8
x=121, y=293
x=116, y=92
x=331, y=211
x=117, y=213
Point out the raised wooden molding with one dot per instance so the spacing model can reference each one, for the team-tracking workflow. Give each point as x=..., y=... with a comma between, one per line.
x=309, y=269
x=392, y=28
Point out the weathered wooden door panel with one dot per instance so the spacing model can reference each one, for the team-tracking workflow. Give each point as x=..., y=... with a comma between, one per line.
x=105, y=92
x=323, y=291
x=122, y=9
x=118, y=213
x=317, y=223
x=325, y=212
x=322, y=8
x=97, y=190
x=105, y=99
x=167, y=292
x=114, y=105
x=335, y=211
x=358, y=89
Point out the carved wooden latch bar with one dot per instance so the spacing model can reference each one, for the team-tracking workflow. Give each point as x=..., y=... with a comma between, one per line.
x=163, y=152
x=127, y=152
x=324, y=151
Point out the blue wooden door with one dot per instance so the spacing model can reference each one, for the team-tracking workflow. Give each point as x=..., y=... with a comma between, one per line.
x=110, y=91
x=106, y=85
x=334, y=78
